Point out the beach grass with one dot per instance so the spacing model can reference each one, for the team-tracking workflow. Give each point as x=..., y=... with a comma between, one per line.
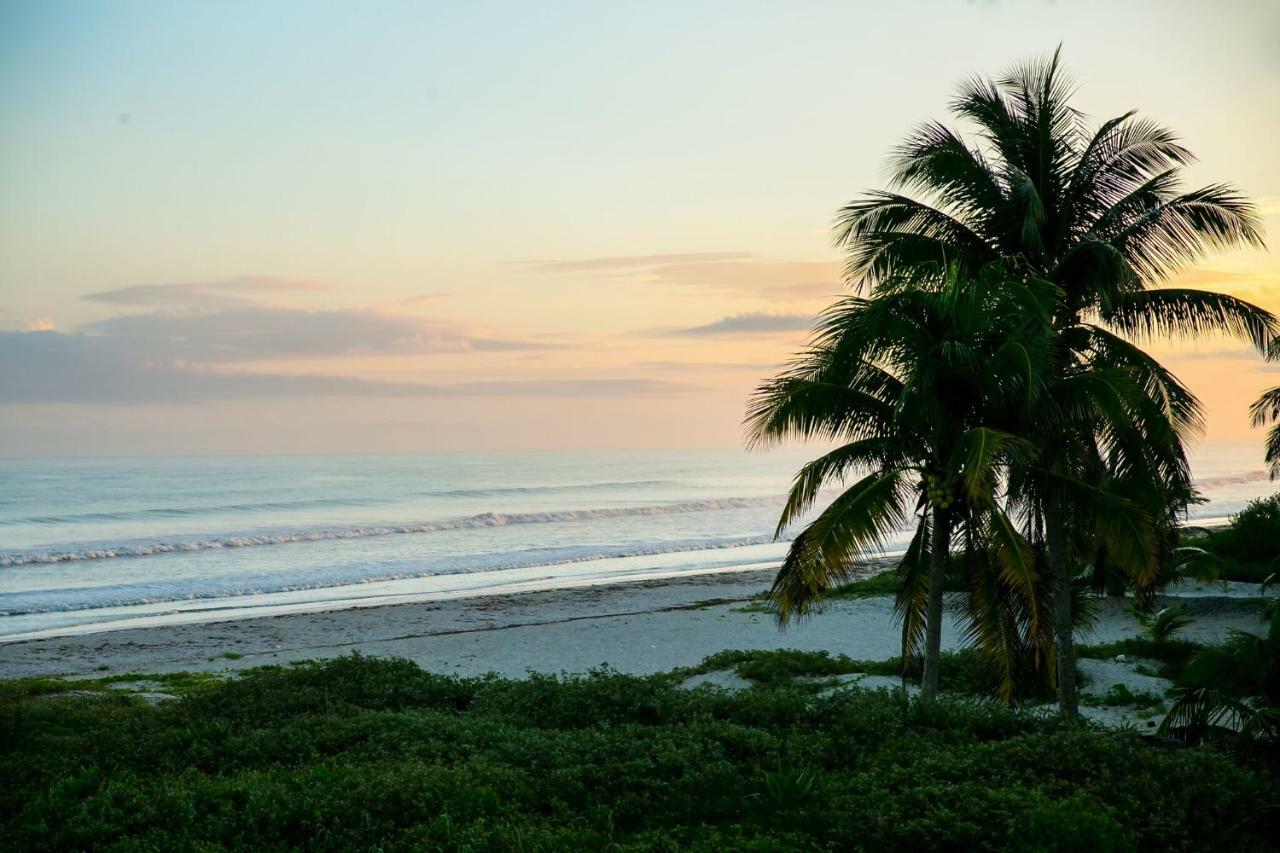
x=363, y=753
x=1171, y=655
x=962, y=671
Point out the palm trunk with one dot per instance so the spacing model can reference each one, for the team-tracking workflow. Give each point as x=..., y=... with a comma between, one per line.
x=1063, y=621
x=938, y=553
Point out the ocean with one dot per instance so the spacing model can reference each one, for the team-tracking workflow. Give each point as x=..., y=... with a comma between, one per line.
x=93, y=544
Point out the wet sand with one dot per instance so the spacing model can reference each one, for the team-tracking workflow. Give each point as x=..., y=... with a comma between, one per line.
x=640, y=627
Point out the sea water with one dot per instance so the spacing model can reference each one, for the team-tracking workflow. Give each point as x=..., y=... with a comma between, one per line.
x=91, y=544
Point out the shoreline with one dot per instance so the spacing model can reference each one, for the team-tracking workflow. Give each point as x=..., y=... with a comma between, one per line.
x=283, y=637
x=213, y=613
x=638, y=627
x=385, y=593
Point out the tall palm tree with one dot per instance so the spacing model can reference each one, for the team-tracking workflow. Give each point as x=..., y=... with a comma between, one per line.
x=912, y=382
x=1100, y=214
x=1109, y=456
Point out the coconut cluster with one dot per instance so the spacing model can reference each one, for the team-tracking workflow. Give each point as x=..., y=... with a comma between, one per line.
x=941, y=493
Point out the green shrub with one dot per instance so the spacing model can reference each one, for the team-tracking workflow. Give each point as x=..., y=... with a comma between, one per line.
x=1172, y=654
x=1254, y=535
x=884, y=583
x=964, y=671
x=767, y=667
x=1120, y=696
x=1248, y=549
x=361, y=753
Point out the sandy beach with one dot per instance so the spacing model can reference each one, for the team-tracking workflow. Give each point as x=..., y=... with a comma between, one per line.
x=642, y=627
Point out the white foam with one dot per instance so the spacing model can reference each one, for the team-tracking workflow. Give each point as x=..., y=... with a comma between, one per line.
x=488, y=519
x=1232, y=479
x=356, y=580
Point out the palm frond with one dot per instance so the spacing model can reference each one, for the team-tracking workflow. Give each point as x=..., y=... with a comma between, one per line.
x=1271, y=452
x=824, y=554
x=910, y=601
x=991, y=626
x=877, y=452
x=1015, y=558
x=1151, y=380
x=1124, y=154
x=799, y=408
x=1117, y=522
x=1187, y=313
x=978, y=454
x=886, y=233
x=1179, y=231
x=936, y=161
x=1266, y=410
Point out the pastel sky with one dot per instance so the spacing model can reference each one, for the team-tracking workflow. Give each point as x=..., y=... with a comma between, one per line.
x=331, y=227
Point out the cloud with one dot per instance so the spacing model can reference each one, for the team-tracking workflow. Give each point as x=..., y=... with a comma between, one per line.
x=729, y=366
x=55, y=367
x=226, y=321
x=634, y=262
x=252, y=332
x=735, y=273
x=424, y=299
x=39, y=324
x=752, y=322
x=563, y=388
x=204, y=294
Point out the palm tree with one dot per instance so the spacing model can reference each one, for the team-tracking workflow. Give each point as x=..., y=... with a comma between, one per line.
x=1266, y=410
x=1233, y=689
x=911, y=382
x=1109, y=431
x=1100, y=214
x=1163, y=624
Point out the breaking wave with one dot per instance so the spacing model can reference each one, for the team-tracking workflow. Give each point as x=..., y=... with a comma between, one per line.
x=1232, y=480
x=322, y=503
x=161, y=593
x=284, y=537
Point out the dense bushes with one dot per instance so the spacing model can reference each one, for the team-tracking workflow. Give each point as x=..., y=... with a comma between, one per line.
x=963, y=671
x=375, y=754
x=1249, y=548
x=1254, y=535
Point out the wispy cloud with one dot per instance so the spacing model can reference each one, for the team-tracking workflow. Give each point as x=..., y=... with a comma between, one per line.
x=423, y=299
x=752, y=322
x=54, y=367
x=634, y=262
x=253, y=332
x=625, y=387
x=217, y=322
x=204, y=294
x=733, y=273
x=727, y=366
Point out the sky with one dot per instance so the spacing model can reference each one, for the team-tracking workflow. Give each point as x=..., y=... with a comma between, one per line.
x=245, y=227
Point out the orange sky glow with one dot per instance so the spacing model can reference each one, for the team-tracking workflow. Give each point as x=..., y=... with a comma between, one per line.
x=236, y=229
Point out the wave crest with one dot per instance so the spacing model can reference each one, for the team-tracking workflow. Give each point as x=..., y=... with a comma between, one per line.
x=321, y=503
x=285, y=537
x=266, y=587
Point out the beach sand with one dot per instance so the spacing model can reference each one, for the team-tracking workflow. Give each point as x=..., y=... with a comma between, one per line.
x=640, y=627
